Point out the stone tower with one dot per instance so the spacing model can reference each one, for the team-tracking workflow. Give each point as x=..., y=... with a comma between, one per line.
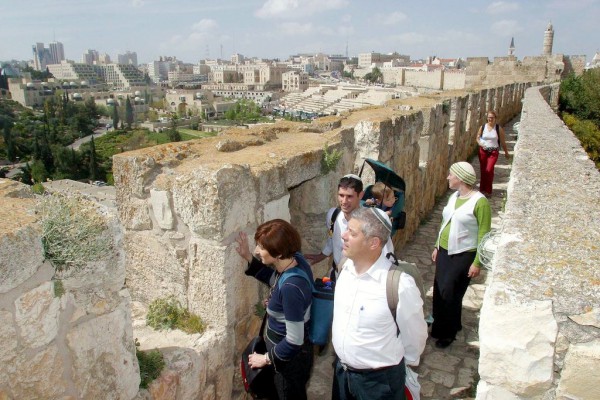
x=548, y=39
x=511, y=48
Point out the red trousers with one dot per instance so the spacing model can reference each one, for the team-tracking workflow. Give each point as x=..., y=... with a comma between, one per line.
x=487, y=161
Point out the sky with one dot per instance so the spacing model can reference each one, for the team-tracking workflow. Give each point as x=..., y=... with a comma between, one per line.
x=192, y=30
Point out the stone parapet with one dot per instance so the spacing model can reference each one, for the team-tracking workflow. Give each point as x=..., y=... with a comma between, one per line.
x=539, y=322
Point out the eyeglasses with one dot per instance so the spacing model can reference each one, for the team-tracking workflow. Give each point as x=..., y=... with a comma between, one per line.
x=491, y=117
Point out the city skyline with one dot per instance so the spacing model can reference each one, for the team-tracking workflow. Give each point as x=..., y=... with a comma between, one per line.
x=279, y=28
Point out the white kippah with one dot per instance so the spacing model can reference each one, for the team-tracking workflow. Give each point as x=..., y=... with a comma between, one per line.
x=382, y=217
x=353, y=176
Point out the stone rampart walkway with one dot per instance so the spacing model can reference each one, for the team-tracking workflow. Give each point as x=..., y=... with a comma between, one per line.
x=450, y=373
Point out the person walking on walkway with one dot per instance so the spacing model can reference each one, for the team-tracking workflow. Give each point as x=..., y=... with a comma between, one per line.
x=371, y=346
x=489, y=138
x=465, y=220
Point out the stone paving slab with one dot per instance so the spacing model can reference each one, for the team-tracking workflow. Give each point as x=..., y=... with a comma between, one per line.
x=450, y=373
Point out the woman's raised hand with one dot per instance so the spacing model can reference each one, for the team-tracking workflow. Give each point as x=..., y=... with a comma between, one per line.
x=242, y=246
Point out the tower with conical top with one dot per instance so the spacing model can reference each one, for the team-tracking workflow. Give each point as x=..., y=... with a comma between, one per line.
x=511, y=48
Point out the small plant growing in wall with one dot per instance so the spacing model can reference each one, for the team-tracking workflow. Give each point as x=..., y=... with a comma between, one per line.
x=167, y=313
x=73, y=232
x=330, y=159
x=151, y=365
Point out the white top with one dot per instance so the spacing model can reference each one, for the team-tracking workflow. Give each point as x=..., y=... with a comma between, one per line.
x=464, y=229
x=334, y=244
x=363, y=332
x=489, y=137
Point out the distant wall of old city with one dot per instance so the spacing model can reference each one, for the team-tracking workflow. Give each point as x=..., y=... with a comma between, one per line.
x=480, y=72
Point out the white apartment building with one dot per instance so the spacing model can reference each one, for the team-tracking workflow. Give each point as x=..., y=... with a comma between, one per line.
x=122, y=76
x=117, y=76
x=294, y=81
x=75, y=72
x=365, y=60
x=237, y=59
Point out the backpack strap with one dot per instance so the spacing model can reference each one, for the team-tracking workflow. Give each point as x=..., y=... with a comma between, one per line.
x=391, y=287
x=334, y=216
x=293, y=272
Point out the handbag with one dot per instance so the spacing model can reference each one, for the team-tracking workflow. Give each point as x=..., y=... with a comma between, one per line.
x=258, y=382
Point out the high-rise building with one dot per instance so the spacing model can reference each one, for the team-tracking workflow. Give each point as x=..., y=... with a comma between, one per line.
x=42, y=56
x=90, y=57
x=130, y=57
x=57, y=52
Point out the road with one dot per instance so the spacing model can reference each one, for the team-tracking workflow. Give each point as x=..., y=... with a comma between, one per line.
x=97, y=133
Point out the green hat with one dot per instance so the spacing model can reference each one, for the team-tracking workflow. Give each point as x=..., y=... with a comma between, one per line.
x=464, y=171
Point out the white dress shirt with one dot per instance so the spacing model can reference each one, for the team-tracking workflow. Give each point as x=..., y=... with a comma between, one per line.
x=334, y=244
x=363, y=332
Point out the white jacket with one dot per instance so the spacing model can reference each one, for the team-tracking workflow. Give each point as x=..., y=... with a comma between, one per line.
x=464, y=228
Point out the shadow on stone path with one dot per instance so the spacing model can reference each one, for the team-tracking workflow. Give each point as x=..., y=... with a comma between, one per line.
x=450, y=373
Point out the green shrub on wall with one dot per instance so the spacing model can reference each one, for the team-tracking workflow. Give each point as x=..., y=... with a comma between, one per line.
x=167, y=313
x=151, y=365
x=330, y=160
x=73, y=232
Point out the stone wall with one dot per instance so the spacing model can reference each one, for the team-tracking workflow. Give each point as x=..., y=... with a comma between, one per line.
x=77, y=344
x=539, y=326
x=427, y=79
x=507, y=70
x=182, y=205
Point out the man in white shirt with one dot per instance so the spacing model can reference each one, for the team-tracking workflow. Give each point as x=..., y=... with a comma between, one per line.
x=371, y=347
x=349, y=193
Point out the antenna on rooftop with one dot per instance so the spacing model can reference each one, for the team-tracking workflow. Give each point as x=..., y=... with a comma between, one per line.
x=221, y=51
x=207, y=53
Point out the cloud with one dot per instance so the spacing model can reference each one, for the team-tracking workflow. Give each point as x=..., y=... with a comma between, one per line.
x=393, y=18
x=294, y=28
x=507, y=27
x=293, y=9
x=298, y=29
x=138, y=3
x=203, y=33
x=502, y=7
x=410, y=38
x=205, y=25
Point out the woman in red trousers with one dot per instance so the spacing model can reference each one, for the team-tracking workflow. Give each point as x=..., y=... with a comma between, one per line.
x=489, y=138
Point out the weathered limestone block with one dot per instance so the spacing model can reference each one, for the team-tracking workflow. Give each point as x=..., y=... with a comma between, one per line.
x=134, y=215
x=277, y=209
x=485, y=391
x=165, y=386
x=218, y=289
x=270, y=183
x=316, y=195
x=20, y=256
x=215, y=203
x=184, y=367
x=132, y=174
x=36, y=315
x=39, y=376
x=302, y=167
x=162, y=208
x=581, y=372
x=168, y=275
x=517, y=344
x=103, y=353
x=8, y=348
